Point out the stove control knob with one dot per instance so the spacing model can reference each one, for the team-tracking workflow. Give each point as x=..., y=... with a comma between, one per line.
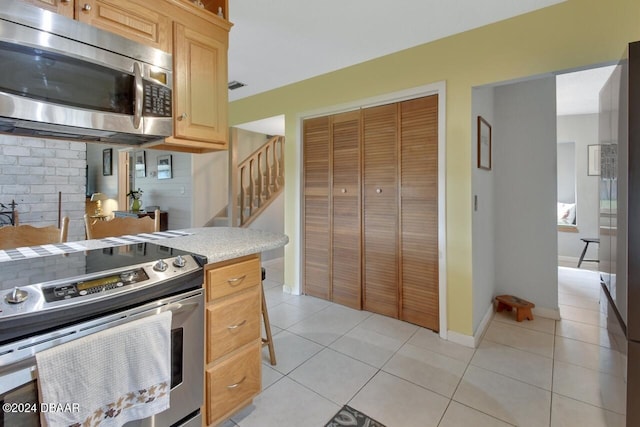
x=16, y=296
x=179, y=262
x=160, y=265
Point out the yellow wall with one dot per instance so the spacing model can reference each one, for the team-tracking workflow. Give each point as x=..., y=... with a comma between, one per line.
x=572, y=34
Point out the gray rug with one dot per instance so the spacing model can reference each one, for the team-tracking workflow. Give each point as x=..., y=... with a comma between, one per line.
x=347, y=416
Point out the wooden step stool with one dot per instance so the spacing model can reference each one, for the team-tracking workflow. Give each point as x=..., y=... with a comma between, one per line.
x=509, y=302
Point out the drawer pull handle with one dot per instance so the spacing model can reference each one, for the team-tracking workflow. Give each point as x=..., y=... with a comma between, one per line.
x=238, y=325
x=236, y=280
x=232, y=386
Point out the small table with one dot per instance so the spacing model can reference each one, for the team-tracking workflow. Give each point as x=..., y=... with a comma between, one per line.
x=586, y=241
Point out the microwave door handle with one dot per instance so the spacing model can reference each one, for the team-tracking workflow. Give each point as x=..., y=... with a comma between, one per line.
x=138, y=94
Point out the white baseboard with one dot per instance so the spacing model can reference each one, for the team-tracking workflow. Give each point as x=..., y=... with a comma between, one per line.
x=458, y=338
x=484, y=324
x=472, y=341
x=568, y=259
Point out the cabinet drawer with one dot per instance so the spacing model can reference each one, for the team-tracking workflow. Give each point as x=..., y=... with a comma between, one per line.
x=223, y=281
x=233, y=382
x=233, y=323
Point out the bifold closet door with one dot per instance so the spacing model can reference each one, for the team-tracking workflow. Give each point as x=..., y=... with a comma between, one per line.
x=316, y=162
x=380, y=209
x=345, y=206
x=419, y=211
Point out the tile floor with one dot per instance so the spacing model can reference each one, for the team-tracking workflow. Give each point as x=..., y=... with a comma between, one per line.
x=534, y=373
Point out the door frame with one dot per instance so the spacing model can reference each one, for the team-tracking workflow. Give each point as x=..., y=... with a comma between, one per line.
x=437, y=88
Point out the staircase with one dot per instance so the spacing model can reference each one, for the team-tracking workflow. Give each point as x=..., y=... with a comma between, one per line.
x=254, y=183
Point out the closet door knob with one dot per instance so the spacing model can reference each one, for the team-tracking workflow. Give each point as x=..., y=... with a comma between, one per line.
x=86, y=7
x=344, y=190
x=378, y=190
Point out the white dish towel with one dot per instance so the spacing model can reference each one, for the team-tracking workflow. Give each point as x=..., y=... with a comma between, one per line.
x=110, y=377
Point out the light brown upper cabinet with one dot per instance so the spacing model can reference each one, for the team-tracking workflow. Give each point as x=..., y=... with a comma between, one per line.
x=63, y=7
x=200, y=90
x=130, y=19
x=371, y=209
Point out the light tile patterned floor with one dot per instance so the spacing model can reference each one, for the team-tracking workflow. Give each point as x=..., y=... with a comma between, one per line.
x=534, y=373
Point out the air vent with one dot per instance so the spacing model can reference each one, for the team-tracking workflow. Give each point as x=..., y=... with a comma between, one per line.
x=236, y=85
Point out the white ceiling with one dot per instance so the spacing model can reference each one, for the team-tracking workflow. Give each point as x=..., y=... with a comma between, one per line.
x=577, y=93
x=279, y=42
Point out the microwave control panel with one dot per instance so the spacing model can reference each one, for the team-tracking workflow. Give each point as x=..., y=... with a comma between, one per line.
x=157, y=100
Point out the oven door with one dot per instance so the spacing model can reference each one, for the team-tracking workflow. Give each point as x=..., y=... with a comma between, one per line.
x=18, y=378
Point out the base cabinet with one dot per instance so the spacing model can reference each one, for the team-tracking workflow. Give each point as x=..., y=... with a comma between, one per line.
x=233, y=345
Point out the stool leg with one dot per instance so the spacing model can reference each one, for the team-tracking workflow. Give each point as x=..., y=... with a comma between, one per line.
x=584, y=251
x=267, y=327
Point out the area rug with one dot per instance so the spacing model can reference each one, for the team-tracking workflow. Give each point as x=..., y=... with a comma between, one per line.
x=347, y=416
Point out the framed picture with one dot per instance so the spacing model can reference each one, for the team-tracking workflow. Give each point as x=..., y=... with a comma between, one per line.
x=106, y=162
x=593, y=158
x=141, y=164
x=484, y=144
x=164, y=167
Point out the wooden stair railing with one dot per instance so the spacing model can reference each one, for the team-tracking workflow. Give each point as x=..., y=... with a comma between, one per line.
x=260, y=180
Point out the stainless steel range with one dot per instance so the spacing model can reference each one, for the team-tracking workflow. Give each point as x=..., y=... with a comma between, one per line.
x=48, y=301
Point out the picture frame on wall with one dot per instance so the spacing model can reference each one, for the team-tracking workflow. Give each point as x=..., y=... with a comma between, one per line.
x=484, y=144
x=593, y=158
x=140, y=164
x=107, y=168
x=164, y=167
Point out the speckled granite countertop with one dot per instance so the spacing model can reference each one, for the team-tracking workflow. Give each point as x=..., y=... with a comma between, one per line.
x=222, y=243
x=217, y=243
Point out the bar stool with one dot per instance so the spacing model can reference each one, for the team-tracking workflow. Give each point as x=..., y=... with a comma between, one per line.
x=586, y=241
x=267, y=326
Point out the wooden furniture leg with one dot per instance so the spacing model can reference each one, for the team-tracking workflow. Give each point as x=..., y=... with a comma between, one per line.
x=267, y=326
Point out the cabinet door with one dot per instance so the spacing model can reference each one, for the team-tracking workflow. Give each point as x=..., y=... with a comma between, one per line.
x=316, y=165
x=200, y=90
x=127, y=18
x=419, y=211
x=380, y=202
x=346, y=234
x=62, y=7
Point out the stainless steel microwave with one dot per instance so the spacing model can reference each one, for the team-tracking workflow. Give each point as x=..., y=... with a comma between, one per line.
x=65, y=79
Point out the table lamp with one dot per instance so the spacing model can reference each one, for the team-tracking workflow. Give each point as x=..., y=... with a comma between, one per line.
x=98, y=198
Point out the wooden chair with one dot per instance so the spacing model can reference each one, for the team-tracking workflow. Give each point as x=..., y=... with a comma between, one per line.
x=98, y=229
x=27, y=235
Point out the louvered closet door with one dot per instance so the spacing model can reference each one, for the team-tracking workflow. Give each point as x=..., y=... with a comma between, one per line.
x=316, y=160
x=419, y=211
x=346, y=235
x=380, y=203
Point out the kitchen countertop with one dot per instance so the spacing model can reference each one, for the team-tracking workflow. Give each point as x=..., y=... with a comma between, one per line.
x=217, y=243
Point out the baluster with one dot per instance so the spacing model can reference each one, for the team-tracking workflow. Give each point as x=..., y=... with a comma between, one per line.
x=243, y=194
x=267, y=173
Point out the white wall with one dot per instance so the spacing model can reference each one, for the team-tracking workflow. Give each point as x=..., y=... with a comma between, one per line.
x=483, y=240
x=271, y=219
x=210, y=177
x=525, y=143
x=583, y=130
x=172, y=195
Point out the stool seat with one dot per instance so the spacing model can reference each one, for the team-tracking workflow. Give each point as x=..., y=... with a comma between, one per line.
x=586, y=241
x=510, y=302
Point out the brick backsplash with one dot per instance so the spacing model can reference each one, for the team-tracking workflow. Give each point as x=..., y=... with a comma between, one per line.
x=33, y=171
